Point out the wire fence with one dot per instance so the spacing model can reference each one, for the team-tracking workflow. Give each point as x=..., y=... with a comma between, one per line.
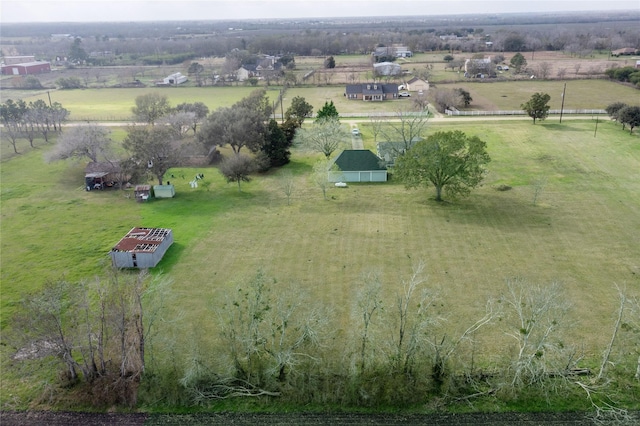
x=520, y=112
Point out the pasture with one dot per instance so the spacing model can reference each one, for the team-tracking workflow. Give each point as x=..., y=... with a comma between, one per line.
x=115, y=104
x=583, y=231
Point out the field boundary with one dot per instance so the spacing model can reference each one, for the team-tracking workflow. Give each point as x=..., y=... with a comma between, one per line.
x=521, y=112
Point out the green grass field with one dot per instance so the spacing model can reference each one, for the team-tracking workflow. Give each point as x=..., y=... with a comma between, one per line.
x=583, y=231
x=116, y=104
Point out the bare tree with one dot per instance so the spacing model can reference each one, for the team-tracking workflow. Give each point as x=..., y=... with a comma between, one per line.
x=87, y=325
x=408, y=128
x=538, y=312
x=544, y=70
x=616, y=329
x=444, y=99
x=376, y=123
x=323, y=136
x=410, y=320
x=576, y=67
x=320, y=176
x=89, y=141
x=368, y=303
x=286, y=184
x=562, y=72
x=269, y=341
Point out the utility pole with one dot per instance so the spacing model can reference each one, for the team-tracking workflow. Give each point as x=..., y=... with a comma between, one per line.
x=562, y=106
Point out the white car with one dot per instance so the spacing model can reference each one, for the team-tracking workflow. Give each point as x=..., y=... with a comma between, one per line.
x=355, y=132
x=404, y=95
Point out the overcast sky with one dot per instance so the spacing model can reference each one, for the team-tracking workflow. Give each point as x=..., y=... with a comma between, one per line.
x=170, y=10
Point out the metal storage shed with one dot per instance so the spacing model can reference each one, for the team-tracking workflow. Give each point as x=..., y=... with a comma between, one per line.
x=164, y=191
x=141, y=248
x=357, y=165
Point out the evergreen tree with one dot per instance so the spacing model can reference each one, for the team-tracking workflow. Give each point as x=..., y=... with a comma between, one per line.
x=518, y=62
x=328, y=111
x=276, y=146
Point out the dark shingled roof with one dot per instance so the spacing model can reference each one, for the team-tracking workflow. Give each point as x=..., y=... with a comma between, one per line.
x=371, y=88
x=358, y=160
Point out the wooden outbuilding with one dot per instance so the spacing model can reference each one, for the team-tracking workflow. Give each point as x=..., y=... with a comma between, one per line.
x=101, y=175
x=141, y=248
x=142, y=192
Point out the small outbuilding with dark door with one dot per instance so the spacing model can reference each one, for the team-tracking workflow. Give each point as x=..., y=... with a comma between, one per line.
x=102, y=175
x=141, y=248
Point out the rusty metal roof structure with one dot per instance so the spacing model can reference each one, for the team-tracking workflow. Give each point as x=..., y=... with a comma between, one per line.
x=142, y=240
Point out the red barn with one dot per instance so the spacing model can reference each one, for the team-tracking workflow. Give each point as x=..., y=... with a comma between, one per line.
x=26, y=68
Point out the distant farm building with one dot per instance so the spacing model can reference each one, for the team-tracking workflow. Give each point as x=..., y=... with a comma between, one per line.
x=357, y=165
x=27, y=68
x=625, y=51
x=387, y=68
x=141, y=248
x=173, y=80
x=397, y=51
x=12, y=60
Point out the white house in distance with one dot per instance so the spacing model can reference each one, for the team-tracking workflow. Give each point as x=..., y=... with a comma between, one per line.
x=173, y=80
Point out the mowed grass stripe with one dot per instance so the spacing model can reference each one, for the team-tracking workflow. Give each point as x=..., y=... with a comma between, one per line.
x=583, y=232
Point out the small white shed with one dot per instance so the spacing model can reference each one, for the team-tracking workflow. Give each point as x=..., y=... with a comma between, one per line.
x=175, y=79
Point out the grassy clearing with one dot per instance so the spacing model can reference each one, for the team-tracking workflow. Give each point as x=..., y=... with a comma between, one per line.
x=587, y=217
x=583, y=232
x=116, y=104
x=580, y=94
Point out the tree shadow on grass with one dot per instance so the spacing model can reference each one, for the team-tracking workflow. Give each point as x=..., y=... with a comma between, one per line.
x=171, y=257
x=504, y=210
x=562, y=127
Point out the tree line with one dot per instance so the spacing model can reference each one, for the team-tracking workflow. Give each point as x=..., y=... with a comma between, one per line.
x=131, y=46
x=30, y=121
x=398, y=350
